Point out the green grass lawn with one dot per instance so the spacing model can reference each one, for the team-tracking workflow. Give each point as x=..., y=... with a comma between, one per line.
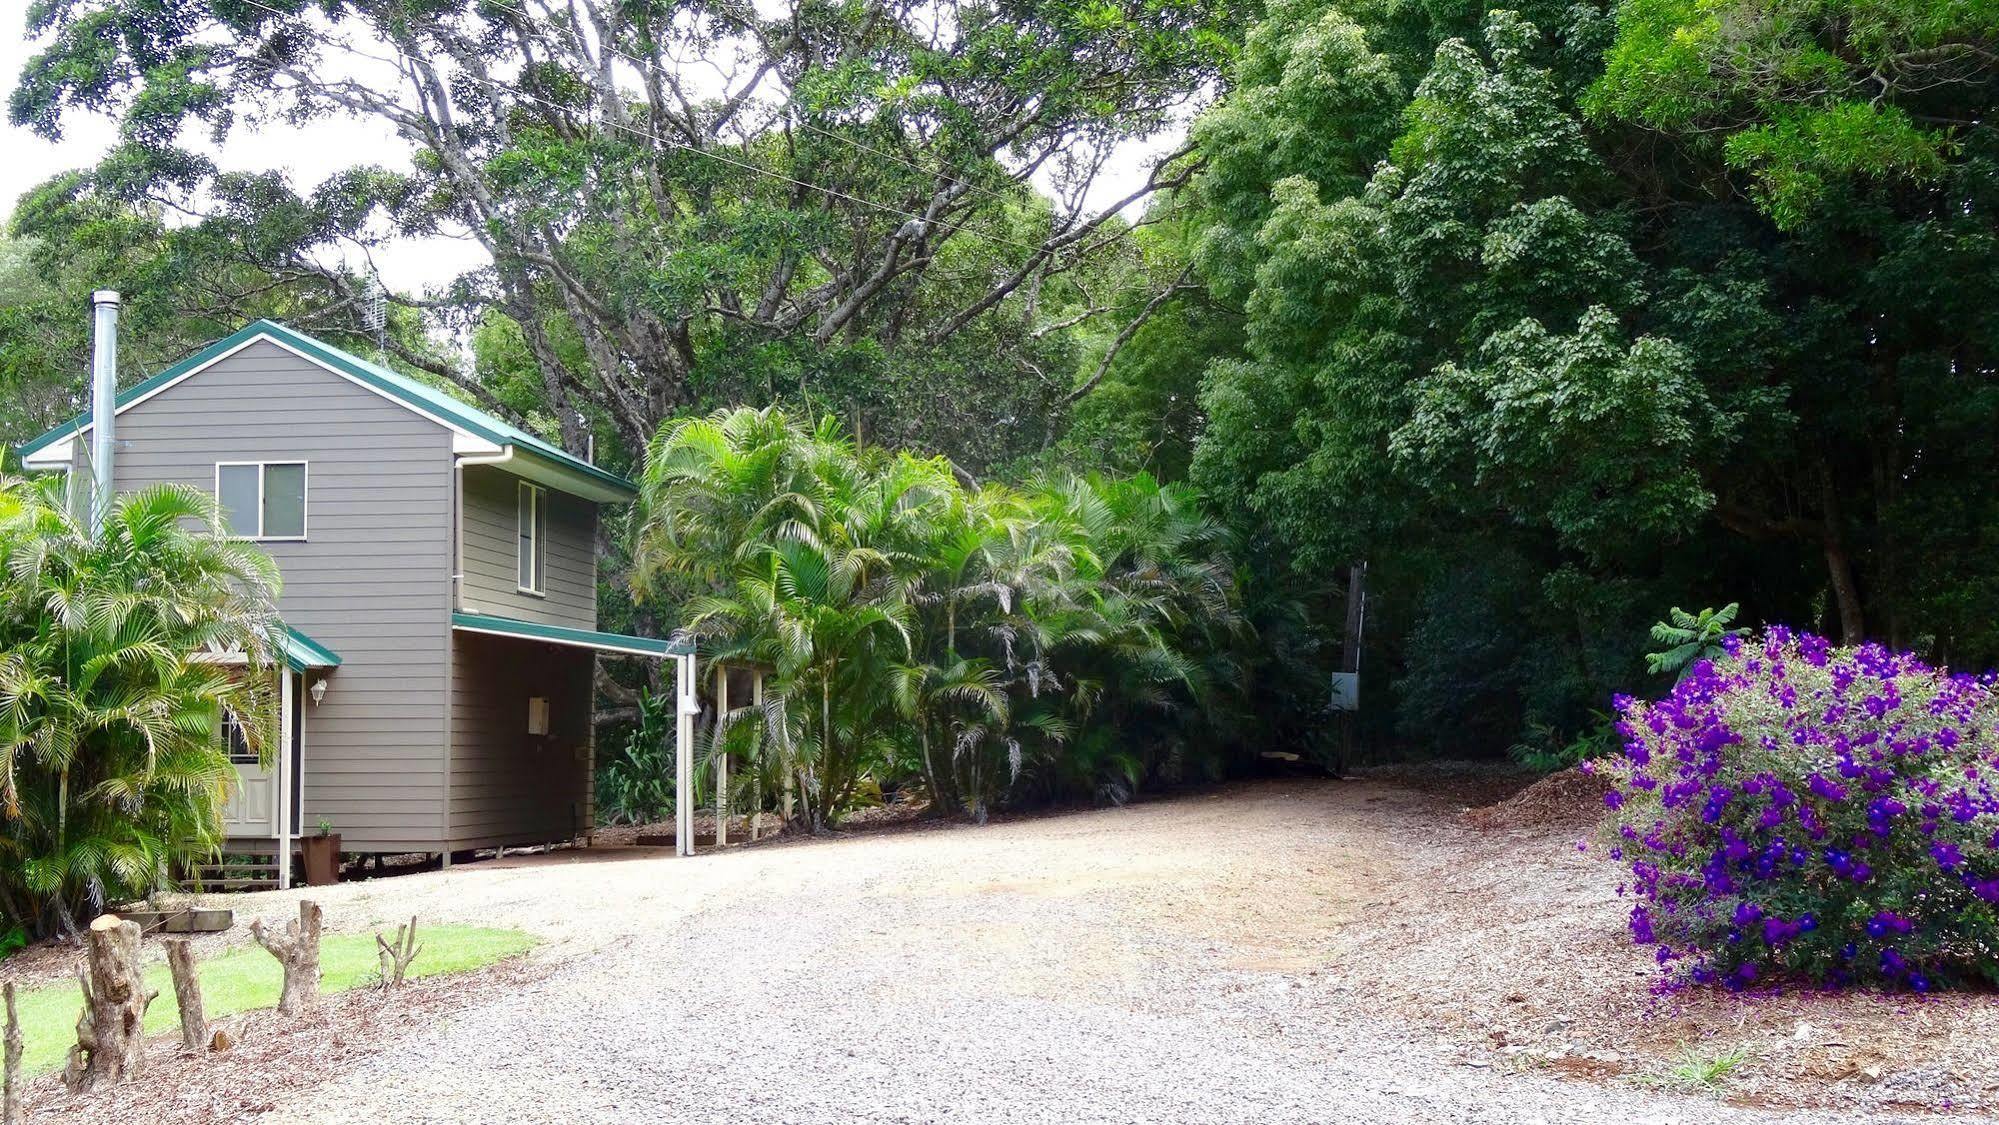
x=247, y=978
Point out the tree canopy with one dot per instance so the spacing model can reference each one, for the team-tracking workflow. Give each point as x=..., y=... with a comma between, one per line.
x=888, y=208
x=1556, y=315
x=1563, y=314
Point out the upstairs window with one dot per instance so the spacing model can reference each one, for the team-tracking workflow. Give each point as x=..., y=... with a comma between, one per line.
x=262, y=499
x=530, y=522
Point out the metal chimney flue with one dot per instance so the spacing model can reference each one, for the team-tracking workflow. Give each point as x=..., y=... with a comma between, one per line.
x=103, y=404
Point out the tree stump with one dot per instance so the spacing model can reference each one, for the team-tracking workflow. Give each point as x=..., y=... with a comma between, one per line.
x=10, y=1104
x=397, y=955
x=187, y=995
x=110, y=1036
x=298, y=952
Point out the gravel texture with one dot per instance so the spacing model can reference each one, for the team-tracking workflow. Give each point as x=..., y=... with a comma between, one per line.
x=1297, y=951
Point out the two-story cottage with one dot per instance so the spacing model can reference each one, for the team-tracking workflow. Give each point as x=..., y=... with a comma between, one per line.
x=440, y=584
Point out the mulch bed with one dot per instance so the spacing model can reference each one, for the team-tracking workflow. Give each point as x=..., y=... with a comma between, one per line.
x=275, y=1055
x=1570, y=799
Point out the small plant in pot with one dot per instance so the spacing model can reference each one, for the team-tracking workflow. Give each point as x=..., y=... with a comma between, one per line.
x=322, y=856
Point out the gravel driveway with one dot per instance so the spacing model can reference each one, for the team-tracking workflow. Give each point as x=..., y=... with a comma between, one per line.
x=1166, y=962
x=1189, y=960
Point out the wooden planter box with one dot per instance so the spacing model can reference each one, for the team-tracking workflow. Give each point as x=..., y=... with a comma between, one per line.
x=322, y=859
x=191, y=921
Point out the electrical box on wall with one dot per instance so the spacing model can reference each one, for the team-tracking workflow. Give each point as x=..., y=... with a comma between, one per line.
x=537, y=714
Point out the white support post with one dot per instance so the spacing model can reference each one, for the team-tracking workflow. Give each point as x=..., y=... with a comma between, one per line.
x=721, y=755
x=683, y=757
x=287, y=701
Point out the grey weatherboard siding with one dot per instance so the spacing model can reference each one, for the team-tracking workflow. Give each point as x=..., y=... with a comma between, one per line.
x=371, y=581
x=491, y=558
x=508, y=786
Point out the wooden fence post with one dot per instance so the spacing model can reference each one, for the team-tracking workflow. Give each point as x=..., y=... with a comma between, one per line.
x=110, y=1036
x=298, y=952
x=187, y=995
x=396, y=956
x=10, y=1105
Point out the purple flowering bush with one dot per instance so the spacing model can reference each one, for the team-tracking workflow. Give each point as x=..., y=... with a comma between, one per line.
x=1796, y=810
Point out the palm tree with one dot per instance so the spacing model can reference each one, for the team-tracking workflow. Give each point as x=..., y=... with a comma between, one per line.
x=111, y=771
x=1066, y=635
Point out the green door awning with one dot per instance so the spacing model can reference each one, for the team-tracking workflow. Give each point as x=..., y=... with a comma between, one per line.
x=302, y=652
x=564, y=635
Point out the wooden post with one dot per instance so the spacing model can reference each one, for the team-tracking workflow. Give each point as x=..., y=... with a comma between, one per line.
x=187, y=995
x=721, y=754
x=298, y=952
x=757, y=798
x=396, y=956
x=10, y=1108
x=110, y=1036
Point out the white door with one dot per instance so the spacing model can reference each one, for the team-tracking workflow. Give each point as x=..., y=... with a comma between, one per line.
x=252, y=806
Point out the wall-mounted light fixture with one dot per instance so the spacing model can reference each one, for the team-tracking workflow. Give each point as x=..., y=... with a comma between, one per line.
x=319, y=691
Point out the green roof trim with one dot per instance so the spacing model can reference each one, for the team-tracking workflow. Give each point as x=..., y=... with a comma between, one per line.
x=302, y=652
x=394, y=384
x=564, y=635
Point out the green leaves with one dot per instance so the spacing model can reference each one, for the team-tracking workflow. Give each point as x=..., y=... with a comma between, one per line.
x=907, y=617
x=1807, y=97
x=110, y=770
x=1691, y=637
x=1601, y=435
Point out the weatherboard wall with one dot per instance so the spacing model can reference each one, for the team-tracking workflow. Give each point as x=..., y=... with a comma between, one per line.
x=371, y=581
x=491, y=554
x=509, y=786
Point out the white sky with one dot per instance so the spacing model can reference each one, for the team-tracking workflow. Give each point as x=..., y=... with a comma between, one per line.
x=310, y=153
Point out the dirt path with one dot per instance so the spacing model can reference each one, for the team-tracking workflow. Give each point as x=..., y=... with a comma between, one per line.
x=1277, y=952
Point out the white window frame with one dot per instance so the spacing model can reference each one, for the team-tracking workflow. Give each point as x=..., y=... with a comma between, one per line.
x=534, y=539
x=304, y=499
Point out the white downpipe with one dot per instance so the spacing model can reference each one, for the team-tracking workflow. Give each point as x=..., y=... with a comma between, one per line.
x=103, y=404
x=683, y=757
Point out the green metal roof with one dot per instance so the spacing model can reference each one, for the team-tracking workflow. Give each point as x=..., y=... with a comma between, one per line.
x=396, y=385
x=564, y=635
x=302, y=652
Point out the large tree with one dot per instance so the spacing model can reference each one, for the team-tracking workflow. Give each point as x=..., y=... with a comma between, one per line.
x=684, y=202
x=1563, y=315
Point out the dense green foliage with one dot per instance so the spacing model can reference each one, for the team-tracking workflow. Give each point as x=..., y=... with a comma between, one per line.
x=111, y=770
x=1555, y=315
x=1563, y=314
x=1077, y=636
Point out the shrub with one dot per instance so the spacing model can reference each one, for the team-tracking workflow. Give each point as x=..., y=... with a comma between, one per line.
x=1828, y=814
x=111, y=773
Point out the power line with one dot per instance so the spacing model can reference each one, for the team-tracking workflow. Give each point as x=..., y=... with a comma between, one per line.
x=683, y=146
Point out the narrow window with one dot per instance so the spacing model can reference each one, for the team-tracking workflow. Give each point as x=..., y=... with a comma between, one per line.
x=530, y=518
x=236, y=740
x=262, y=500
